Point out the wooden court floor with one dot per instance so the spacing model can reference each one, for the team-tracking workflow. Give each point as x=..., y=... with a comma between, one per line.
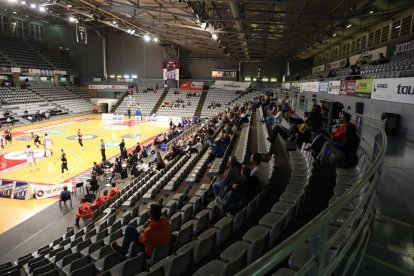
x=13, y=164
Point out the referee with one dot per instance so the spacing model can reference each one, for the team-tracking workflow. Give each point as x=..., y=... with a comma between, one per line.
x=102, y=149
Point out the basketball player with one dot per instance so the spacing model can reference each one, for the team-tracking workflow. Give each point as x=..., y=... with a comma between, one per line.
x=2, y=142
x=102, y=149
x=48, y=143
x=30, y=158
x=64, y=164
x=80, y=138
x=8, y=135
x=36, y=140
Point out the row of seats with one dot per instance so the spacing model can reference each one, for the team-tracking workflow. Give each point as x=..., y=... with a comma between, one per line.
x=263, y=144
x=241, y=149
x=186, y=111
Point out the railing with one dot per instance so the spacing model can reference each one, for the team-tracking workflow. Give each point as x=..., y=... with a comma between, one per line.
x=359, y=223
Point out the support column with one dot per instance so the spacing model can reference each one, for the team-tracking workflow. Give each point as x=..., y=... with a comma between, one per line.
x=104, y=55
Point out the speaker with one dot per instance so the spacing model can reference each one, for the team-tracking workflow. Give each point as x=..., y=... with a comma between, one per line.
x=359, y=108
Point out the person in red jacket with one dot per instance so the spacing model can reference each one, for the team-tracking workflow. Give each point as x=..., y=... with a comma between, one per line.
x=156, y=232
x=102, y=199
x=85, y=211
x=114, y=191
x=338, y=135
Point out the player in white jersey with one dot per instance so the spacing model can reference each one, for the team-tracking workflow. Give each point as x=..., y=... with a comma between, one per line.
x=48, y=143
x=2, y=142
x=30, y=158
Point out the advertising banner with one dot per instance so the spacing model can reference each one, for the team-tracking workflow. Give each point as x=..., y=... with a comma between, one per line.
x=34, y=71
x=15, y=70
x=111, y=87
x=347, y=88
x=367, y=57
x=218, y=73
x=231, y=85
x=336, y=64
x=405, y=46
x=192, y=85
x=363, y=88
x=43, y=191
x=323, y=86
x=6, y=188
x=394, y=90
x=309, y=86
x=21, y=191
x=334, y=87
x=318, y=69
x=313, y=86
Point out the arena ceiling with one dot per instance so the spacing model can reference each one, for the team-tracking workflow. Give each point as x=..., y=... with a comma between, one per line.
x=243, y=30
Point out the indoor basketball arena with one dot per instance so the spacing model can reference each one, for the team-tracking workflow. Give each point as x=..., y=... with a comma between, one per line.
x=204, y=137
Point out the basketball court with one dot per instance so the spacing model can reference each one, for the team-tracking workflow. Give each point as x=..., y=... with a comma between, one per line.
x=14, y=167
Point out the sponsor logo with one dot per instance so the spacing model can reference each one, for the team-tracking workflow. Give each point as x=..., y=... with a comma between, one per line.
x=405, y=89
x=404, y=47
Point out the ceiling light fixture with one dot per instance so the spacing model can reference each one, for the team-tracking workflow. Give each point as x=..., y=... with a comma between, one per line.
x=371, y=12
x=334, y=35
x=155, y=39
x=23, y=2
x=349, y=26
x=147, y=38
x=204, y=25
x=42, y=9
x=33, y=6
x=214, y=36
x=397, y=27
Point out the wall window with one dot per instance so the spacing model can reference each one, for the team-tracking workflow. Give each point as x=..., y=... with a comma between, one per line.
x=405, y=25
x=385, y=33
x=363, y=42
x=370, y=39
x=377, y=37
x=395, y=32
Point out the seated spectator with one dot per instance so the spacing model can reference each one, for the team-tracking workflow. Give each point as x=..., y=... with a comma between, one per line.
x=230, y=176
x=285, y=133
x=258, y=170
x=159, y=163
x=65, y=194
x=382, y=59
x=115, y=190
x=242, y=192
x=137, y=148
x=102, y=199
x=85, y=210
x=157, y=231
x=344, y=154
x=93, y=185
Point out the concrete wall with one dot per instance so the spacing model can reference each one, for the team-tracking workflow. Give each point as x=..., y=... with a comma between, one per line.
x=200, y=68
x=86, y=58
x=132, y=55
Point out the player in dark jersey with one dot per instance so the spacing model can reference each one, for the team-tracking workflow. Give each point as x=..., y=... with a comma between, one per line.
x=80, y=138
x=64, y=162
x=36, y=140
x=8, y=135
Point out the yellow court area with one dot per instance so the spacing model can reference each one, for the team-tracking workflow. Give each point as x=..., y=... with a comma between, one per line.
x=13, y=165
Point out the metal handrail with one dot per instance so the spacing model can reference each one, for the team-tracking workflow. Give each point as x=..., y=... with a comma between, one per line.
x=321, y=222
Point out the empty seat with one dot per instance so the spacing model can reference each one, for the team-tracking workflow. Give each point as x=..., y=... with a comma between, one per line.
x=203, y=246
x=221, y=268
x=76, y=264
x=89, y=270
x=129, y=267
x=108, y=261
